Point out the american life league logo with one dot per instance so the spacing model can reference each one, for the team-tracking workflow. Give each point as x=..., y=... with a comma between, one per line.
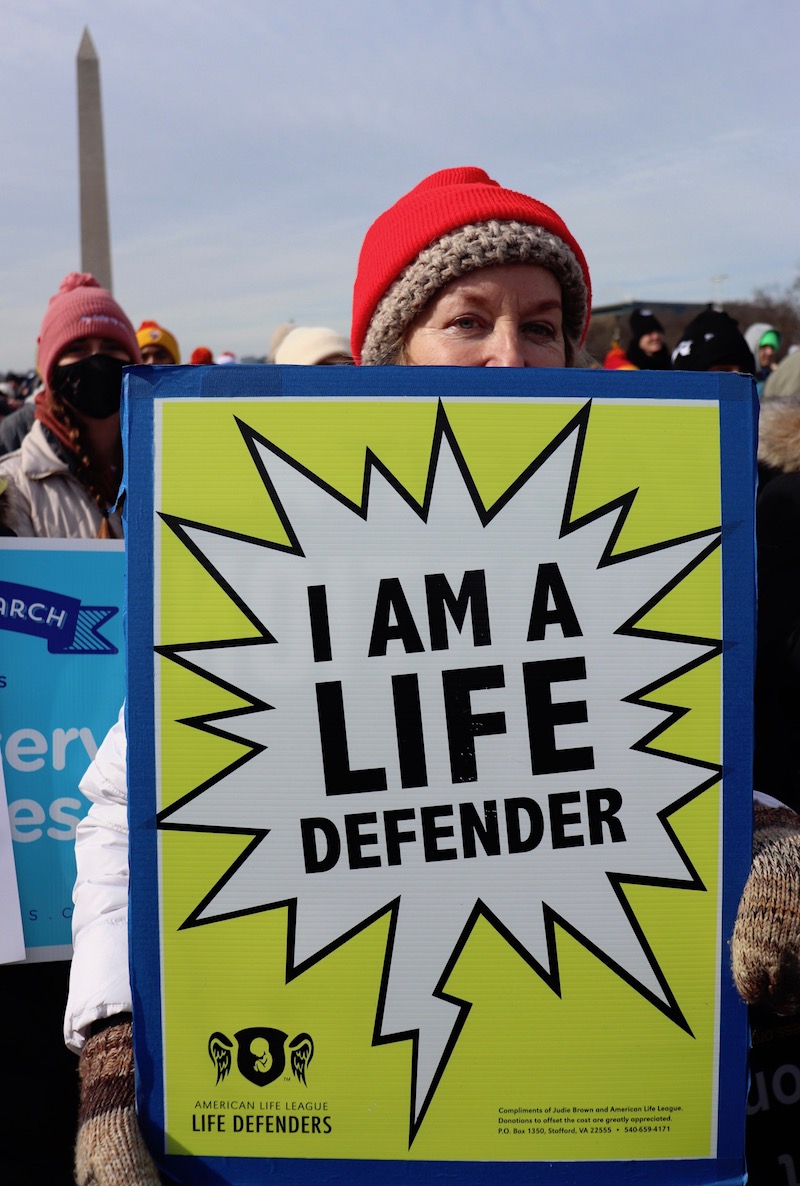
x=69, y=627
x=261, y=1054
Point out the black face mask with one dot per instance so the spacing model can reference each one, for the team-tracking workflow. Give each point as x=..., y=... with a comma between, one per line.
x=92, y=386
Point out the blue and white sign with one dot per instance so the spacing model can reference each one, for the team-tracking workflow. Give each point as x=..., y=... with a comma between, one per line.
x=62, y=680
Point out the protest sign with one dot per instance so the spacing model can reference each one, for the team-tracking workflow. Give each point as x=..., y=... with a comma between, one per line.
x=434, y=675
x=12, y=941
x=62, y=680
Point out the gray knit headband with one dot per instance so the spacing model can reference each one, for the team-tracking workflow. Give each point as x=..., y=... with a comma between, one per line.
x=479, y=245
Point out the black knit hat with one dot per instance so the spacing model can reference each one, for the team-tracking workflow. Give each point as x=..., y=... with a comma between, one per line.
x=713, y=339
x=644, y=321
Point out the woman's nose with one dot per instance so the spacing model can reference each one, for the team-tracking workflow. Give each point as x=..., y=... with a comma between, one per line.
x=505, y=348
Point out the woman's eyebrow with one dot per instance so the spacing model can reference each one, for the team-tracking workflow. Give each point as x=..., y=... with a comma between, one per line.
x=546, y=305
x=477, y=295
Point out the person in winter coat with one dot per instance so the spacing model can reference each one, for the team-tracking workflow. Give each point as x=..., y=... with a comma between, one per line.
x=16, y=427
x=158, y=346
x=616, y=359
x=65, y=476
x=461, y=272
x=712, y=341
x=647, y=349
x=777, y=702
x=784, y=380
x=4, y=527
x=313, y=345
x=109, y=1150
x=764, y=341
x=766, y=940
x=61, y=482
x=456, y=233
x=765, y=948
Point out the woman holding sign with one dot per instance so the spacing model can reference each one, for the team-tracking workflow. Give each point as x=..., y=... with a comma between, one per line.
x=459, y=272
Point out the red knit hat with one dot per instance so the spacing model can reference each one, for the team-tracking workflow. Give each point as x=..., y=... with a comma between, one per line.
x=81, y=309
x=201, y=357
x=453, y=222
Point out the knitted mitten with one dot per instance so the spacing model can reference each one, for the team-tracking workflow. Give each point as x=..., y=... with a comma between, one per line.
x=765, y=948
x=110, y=1150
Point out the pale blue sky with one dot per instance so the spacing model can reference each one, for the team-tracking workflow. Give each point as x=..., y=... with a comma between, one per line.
x=249, y=145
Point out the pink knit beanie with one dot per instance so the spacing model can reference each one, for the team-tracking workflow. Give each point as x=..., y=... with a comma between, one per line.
x=81, y=309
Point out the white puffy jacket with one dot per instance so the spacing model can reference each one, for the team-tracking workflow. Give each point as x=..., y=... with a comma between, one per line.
x=99, y=984
x=45, y=499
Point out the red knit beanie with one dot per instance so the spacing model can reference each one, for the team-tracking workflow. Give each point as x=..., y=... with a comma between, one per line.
x=81, y=309
x=454, y=222
x=201, y=357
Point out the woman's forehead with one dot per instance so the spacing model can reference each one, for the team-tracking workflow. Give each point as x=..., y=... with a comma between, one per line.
x=91, y=340
x=526, y=281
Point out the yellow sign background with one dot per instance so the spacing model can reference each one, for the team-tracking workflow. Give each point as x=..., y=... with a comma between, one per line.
x=522, y=1047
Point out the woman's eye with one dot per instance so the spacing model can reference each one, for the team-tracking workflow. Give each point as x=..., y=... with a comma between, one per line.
x=539, y=329
x=466, y=321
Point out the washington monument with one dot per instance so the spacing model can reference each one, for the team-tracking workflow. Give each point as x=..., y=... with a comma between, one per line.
x=95, y=239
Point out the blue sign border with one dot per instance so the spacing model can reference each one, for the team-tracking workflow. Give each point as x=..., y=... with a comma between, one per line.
x=738, y=407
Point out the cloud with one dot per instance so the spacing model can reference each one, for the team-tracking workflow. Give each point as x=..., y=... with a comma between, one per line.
x=647, y=127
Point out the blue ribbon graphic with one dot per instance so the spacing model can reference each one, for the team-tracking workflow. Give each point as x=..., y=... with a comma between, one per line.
x=69, y=627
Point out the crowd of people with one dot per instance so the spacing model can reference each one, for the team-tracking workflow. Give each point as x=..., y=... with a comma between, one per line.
x=459, y=271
